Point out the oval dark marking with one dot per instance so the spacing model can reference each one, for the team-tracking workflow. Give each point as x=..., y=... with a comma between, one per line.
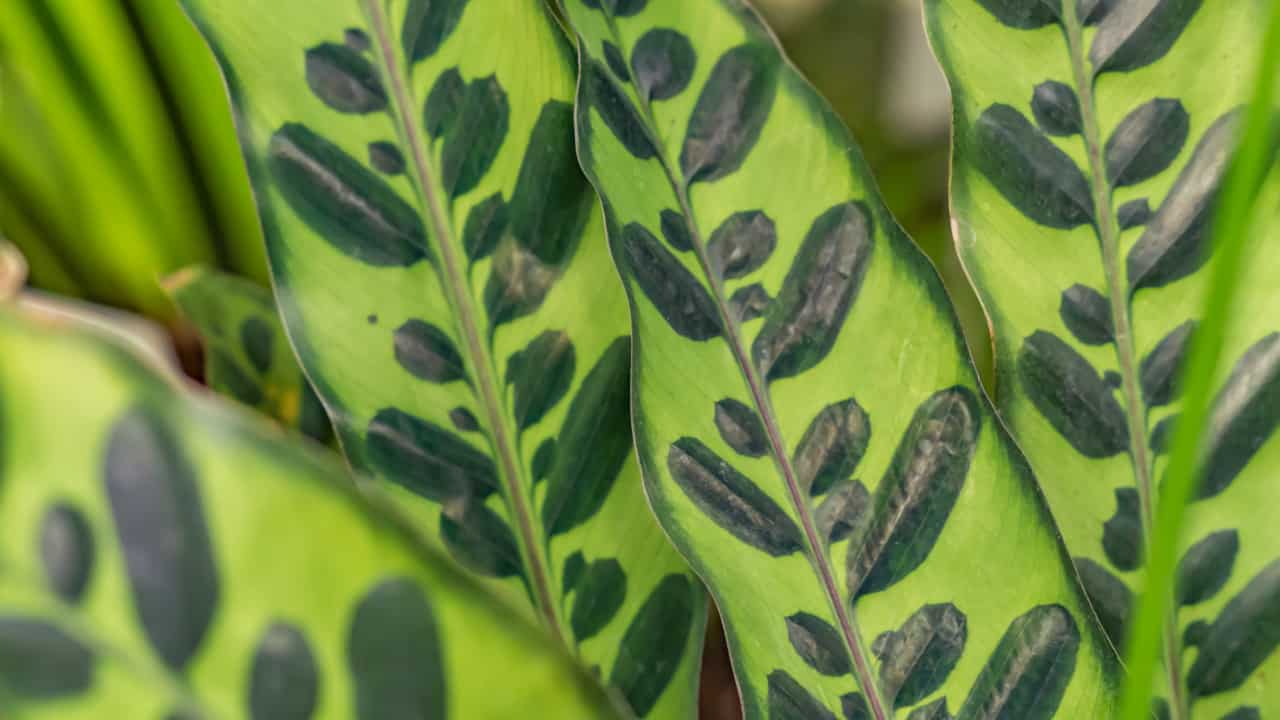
x=1024, y=14
x=1113, y=379
x=748, y=303
x=1087, y=314
x=617, y=8
x=674, y=291
x=444, y=102
x=731, y=499
x=854, y=707
x=1245, y=634
x=1161, y=370
x=1122, y=534
x=67, y=551
x=356, y=39
x=284, y=683
x=225, y=376
x=597, y=427
x=663, y=61
x=427, y=24
x=41, y=661
x=552, y=200
x=258, y=336
x=1206, y=567
x=616, y=110
x=741, y=244
x=1091, y=12
x=344, y=80
x=598, y=597
x=394, y=655
x=740, y=428
x=936, y=710
x=1243, y=713
x=1036, y=177
x=805, y=320
x=1137, y=33
x=427, y=459
x=544, y=459
x=788, y=700
x=464, y=420
x=843, y=512
x=1134, y=213
x=1068, y=392
x=832, y=446
x=1056, y=108
x=654, y=643
x=1028, y=672
x=1195, y=633
x=618, y=64
x=1245, y=414
x=1146, y=142
x=819, y=644
x=518, y=283
x=342, y=202
x=481, y=540
x=486, y=222
x=540, y=374
x=159, y=519
x=427, y=352
x=918, y=491
x=730, y=113
x=1174, y=243
x=313, y=419
x=916, y=659
x=1162, y=435
x=574, y=566
x=475, y=136
x=386, y=158
x=676, y=230
x=1110, y=599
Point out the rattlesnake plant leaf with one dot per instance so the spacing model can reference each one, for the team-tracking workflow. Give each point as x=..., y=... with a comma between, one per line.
x=1128, y=109
x=184, y=557
x=809, y=424
x=441, y=266
x=246, y=354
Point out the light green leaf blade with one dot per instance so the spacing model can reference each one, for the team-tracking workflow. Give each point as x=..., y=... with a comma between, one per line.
x=442, y=270
x=800, y=379
x=246, y=353
x=1092, y=270
x=202, y=550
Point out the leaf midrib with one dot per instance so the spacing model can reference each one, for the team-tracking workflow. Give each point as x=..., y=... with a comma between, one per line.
x=475, y=353
x=1117, y=298
x=763, y=404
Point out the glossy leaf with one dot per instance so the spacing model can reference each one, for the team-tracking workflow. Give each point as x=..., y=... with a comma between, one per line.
x=458, y=318
x=193, y=568
x=1092, y=321
x=827, y=469
x=247, y=356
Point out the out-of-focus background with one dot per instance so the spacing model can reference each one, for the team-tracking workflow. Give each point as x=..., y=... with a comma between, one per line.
x=119, y=164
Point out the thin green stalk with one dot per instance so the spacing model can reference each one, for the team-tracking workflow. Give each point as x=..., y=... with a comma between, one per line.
x=1232, y=219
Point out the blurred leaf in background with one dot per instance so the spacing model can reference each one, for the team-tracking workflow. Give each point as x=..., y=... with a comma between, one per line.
x=118, y=156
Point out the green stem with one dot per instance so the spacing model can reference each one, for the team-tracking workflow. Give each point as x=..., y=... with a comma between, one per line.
x=475, y=350
x=1232, y=218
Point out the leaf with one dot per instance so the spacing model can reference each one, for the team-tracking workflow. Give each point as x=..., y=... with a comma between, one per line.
x=1094, y=408
x=1206, y=567
x=730, y=113
x=917, y=658
x=756, y=385
x=1030, y=171
x=187, y=498
x=1146, y=141
x=818, y=644
x=731, y=499
x=1069, y=394
x=1026, y=677
x=1136, y=34
x=1243, y=636
x=504, y=435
